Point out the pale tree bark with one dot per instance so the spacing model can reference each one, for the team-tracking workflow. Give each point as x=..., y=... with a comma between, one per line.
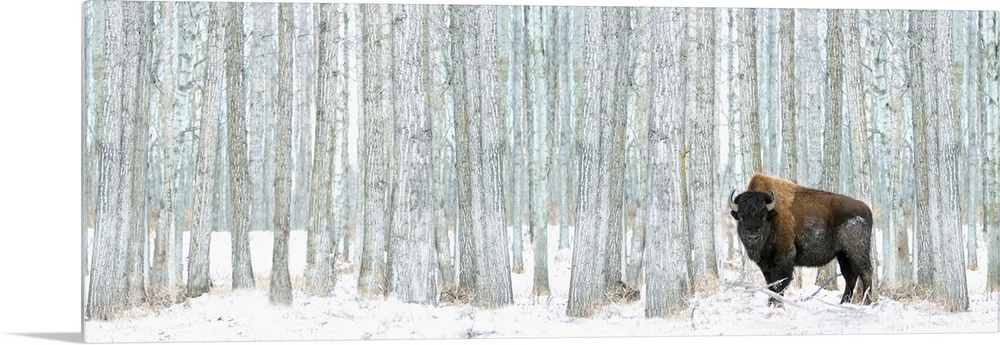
x=140, y=23
x=243, y=277
x=789, y=144
x=789, y=130
x=319, y=269
x=93, y=65
x=106, y=290
x=551, y=140
x=858, y=176
x=280, y=289
x=189, y=73
x=595, y=270
x=768, y=75
x=668, y=287
x=304, y=83
x=199, y=281
x=94, y=58
x=747, y=100
x=922, y=135
x=614, y=101
x=438, y=104
x=701, y=147
x=539, y=52
x=375, y=23
x=567, y=120
x=339, y=194
x=731, y=115
x=485, y=267
x=577, y=30
x=164, y=280
x=261, y=60
x=948, y=271
x=973, y=153
x=221, y=215
x=874, y=55
x=343, y=175
x=748, y=90
x=522, y=82
x=884, y=46
x=411, y=260
x=990, y=118
x=809, y=44
x=902, y=152
x=637, y=145
x=830, y=180
x=563, y=55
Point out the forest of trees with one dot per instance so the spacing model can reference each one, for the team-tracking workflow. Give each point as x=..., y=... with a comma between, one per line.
x=431, y=145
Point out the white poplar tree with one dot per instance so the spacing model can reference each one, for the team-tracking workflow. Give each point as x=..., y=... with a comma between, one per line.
x=667, y=279
x=411, y=257
x=280, y=289
x=484, y=265
x=198, y=280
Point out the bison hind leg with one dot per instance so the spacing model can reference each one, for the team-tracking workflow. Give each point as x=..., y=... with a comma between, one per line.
x=867, y=289
x=850, y=277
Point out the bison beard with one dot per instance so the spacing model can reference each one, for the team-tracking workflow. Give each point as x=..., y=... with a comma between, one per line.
x=783, y=225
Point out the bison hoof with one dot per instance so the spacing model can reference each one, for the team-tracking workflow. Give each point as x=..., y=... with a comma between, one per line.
x=774, y=302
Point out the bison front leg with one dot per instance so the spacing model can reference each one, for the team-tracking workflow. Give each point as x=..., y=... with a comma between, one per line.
x=777, y=281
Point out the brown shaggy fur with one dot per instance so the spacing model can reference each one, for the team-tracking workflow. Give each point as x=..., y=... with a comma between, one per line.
x=813, y=227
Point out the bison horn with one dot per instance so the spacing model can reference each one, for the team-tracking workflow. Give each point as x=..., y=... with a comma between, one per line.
x=774, y=201
x=733, y=205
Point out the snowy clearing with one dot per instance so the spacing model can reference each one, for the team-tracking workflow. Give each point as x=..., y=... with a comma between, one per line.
x=224, y=315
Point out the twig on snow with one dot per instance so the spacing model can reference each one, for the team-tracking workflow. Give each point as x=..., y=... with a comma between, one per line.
x=828, y=280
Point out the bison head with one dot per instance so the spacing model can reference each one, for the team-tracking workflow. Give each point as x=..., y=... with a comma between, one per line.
x=753, y=212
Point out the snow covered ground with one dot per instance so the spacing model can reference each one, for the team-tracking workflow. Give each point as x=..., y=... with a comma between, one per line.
x=224, y=315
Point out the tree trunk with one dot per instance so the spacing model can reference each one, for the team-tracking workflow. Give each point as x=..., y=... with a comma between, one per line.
x=636, y=146
x=281, y=284
x=339, y=159
x=701, y=151
x=595, y=269
x=139, y=21
x=902, y=219
x=537, y=24
x=973, y=155
x=411, y=259
x=517, y=97
x=319, y=273
x=789, y=130
x=243, y=277
x=438, y=103
x=748, y=103
x=922, y=151
x=375, y=23
x=199, y=281
x=260, y=107
x=858, y=176
x=667, y=279
x=305, y=82
x=834, y=117
x=990, y=118
x=949, y=281
x=485, y=269
x=163, y=274
x=106, y=291
x=567, y=117
x=189, y=106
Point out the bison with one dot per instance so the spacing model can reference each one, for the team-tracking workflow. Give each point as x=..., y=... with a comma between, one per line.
x=783, y=225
